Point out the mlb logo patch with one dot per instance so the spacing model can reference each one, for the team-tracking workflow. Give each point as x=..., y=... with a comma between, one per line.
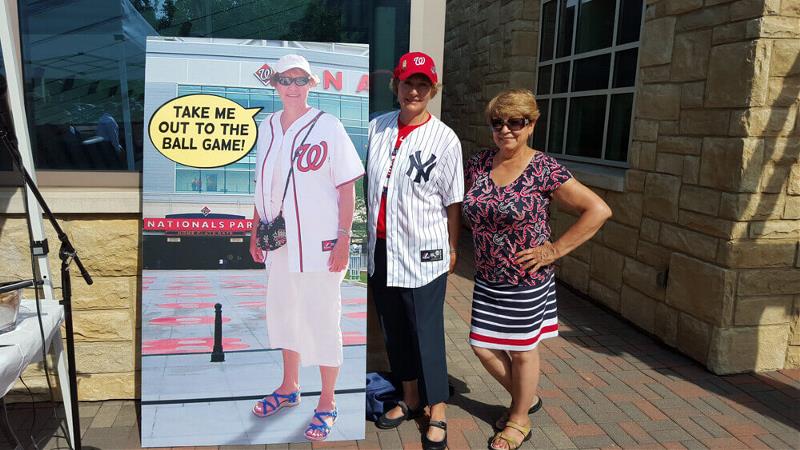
x=431, y=255
x=328, y=245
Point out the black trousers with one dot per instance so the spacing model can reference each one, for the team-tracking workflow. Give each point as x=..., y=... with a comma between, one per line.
x=412, y=320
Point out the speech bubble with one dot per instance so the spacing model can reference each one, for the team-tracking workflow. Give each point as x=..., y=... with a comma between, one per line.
x=203, y=130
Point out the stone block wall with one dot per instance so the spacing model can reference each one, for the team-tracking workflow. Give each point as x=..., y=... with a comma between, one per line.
x=104, y=314
x=716, y=141
x=489, y=46
x=702, y=250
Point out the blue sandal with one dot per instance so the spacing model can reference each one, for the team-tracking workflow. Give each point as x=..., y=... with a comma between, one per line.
x=322, y=426
x=272, y=403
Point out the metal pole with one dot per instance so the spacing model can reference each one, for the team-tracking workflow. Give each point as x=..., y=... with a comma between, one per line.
x=66, y=290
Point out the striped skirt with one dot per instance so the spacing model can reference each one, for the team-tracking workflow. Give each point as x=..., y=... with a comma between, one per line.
x=515, y=318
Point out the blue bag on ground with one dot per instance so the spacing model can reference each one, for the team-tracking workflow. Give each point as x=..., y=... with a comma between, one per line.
x=381, y=393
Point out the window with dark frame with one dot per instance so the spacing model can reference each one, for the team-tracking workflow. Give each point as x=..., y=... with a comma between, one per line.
x=586, y=78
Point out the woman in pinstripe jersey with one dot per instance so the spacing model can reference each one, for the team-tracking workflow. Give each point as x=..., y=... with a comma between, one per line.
x=415, y=188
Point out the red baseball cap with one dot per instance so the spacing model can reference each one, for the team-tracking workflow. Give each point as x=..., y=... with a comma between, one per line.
x=413, y=63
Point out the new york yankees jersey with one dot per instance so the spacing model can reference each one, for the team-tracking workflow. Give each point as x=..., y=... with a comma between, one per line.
x=426, y=177
x=326, y=161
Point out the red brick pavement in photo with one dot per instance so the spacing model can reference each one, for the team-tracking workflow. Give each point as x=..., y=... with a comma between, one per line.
x=604, y=385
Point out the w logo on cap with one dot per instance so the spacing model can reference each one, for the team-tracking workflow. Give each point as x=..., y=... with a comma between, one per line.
x=413, y=63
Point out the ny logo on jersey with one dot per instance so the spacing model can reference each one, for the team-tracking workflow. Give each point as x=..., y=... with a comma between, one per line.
x=423, y=169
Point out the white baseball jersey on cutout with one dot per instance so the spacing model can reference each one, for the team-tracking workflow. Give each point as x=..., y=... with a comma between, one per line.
x=427, y=176
x=326, y=161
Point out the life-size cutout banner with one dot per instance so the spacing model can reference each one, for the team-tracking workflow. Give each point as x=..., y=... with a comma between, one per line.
x=241, y=137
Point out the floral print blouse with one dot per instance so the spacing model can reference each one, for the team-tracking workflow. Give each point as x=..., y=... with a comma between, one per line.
x=507, y=219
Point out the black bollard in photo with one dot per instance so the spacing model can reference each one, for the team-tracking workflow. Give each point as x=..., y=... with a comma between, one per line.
x=217, y=355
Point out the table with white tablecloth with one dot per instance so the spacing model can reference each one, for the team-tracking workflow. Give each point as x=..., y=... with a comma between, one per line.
x=23, y=346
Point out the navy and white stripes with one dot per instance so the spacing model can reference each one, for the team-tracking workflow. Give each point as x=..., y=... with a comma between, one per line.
x=513, y=318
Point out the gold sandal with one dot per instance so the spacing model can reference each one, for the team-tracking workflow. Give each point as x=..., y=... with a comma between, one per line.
x=512, y=443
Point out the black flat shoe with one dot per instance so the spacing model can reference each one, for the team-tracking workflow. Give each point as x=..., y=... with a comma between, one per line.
x=537, y=406
x=428, y=444
x=500, y=423
x=385, y=423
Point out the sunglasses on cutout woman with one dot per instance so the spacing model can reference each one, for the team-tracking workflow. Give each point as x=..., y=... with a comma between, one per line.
x=287, y=81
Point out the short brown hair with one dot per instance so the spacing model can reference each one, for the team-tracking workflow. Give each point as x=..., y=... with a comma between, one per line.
x=513, y=103
x=394, y=82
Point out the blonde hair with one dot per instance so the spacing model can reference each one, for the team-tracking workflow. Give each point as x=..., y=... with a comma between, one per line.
x=513, y=103
x=394, y=82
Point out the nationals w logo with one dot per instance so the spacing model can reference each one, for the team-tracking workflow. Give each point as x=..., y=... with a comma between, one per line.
x=311, y=157
x=264, y=74
x=423, y=169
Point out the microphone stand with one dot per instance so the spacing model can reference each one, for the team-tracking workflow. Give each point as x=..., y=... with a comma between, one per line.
x=67, y=254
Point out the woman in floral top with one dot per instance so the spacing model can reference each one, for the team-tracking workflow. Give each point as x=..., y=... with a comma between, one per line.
x=509, y=190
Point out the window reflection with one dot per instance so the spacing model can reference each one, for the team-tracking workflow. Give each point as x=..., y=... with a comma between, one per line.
x=548, y=31
x=187, y=179
x=84, y=72
x=84, y=62
x=625, y=68
x=558, y=113
x=561, y=78
x=585, y=127
x=543, y=80
x=630, y=21
x=591, y=73
x=595, y=25
x=566, y=23
x=619, y=127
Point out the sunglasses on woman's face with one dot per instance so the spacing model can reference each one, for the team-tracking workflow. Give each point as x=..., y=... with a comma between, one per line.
x=513, y=124
x=287, y=81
